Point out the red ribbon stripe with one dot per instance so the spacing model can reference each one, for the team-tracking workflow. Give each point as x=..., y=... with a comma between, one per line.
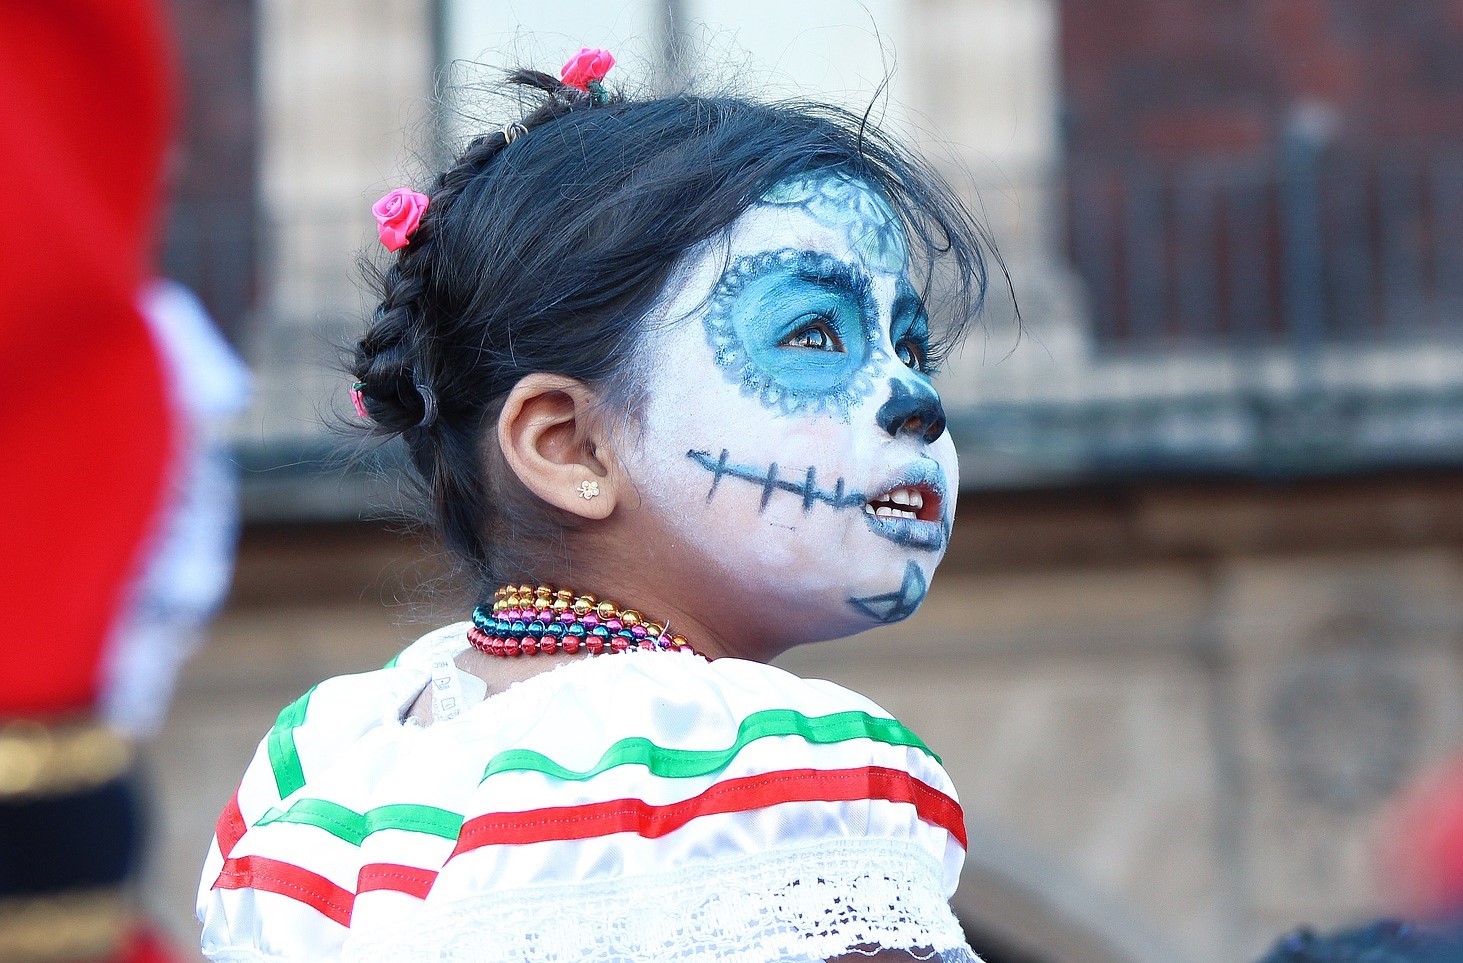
x=332, y=901
x=730, y=796
x=231, y=826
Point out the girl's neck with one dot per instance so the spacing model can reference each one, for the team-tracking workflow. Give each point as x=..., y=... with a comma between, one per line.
x=707, y=636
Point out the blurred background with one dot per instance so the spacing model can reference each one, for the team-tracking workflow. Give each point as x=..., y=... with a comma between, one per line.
x=1203, y=614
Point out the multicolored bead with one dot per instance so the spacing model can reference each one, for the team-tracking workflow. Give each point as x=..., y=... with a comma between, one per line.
x=542, y=620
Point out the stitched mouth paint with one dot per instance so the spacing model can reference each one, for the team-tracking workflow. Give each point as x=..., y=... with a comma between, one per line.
x=924, y=477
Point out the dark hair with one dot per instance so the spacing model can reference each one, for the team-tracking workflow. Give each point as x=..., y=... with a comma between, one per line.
x=545, y=244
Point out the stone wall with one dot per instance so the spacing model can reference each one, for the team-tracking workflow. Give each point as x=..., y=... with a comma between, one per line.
x=213, y=170
x=345, y=97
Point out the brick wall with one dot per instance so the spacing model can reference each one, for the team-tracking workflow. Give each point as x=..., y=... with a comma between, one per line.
x=1187, y=78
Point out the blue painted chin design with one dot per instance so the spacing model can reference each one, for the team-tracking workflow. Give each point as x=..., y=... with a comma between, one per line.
x=896, y=606
x=796, y=329
x=870, y=224
x=925, y=475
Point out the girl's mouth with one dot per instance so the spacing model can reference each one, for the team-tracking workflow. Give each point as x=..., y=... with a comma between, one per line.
x=914, y=502
x=909, y=514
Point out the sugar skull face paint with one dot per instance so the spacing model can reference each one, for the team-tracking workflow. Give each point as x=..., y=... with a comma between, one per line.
x=793, y=447
x=765, y=303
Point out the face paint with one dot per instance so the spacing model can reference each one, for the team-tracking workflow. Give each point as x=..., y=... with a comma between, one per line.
x=910, y=329
x=904, y=496
x=767, y=302
x=871, y=229
x=770, y=481
x=898, y=605
x=791, y=450
x=912, y=407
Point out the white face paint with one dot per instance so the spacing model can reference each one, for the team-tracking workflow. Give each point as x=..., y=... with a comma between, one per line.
x=793, y=450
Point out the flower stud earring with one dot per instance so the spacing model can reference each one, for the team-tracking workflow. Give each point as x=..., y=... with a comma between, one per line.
x=588, y=489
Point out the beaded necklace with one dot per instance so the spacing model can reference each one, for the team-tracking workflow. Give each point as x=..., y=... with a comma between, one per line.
x=524, y=620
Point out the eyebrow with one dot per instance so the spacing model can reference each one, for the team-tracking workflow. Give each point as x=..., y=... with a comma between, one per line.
x=821, y=269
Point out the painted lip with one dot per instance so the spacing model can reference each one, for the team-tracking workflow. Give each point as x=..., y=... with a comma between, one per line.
x=930, y=530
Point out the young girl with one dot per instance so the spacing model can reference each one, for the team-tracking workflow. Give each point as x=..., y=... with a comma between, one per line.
x=664, y=368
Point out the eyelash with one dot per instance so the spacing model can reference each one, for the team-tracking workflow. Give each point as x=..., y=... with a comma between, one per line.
x=817, y=326
x=926, y=356
x=923, y=353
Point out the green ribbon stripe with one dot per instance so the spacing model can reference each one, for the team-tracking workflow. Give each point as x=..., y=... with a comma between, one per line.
x=354, y=827
x=686, y=763
x=284, y=758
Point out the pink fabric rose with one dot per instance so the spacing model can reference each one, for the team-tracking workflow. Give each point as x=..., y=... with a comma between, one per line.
x=588, y=66
x=397, y=215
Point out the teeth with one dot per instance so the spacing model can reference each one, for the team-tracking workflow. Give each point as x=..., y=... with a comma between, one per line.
x=899, y=503
x=912, y=497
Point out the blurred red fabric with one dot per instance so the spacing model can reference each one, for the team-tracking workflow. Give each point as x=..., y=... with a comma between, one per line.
x=1423, y=845
x=85, y=116
x=146, y=946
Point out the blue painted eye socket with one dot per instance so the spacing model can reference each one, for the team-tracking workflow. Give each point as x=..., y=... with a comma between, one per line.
x=797, y=329
x=910, y=330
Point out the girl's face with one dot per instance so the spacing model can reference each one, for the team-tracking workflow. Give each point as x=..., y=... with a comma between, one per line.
x=793, y=452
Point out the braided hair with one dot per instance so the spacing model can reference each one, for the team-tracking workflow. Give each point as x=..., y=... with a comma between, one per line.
x=545, y=245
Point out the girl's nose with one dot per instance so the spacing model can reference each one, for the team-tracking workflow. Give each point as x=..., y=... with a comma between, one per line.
x=912, y=409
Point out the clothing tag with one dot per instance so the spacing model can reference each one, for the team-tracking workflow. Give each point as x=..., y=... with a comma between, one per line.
x=446, y=690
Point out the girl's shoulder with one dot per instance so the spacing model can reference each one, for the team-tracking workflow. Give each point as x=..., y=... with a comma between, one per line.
x=354, y=733
x=602, y=769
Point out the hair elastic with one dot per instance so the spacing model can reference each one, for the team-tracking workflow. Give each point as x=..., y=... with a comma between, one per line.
x=429, y=406
x=512, y=132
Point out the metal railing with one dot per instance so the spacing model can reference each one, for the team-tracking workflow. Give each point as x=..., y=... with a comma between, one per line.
x=1288, y=315
x=1296, y=250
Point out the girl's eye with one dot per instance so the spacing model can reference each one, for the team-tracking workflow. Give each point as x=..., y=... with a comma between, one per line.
x=819, y=336
x=911, y=354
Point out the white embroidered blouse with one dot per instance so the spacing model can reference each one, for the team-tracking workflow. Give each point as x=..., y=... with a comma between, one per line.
x=644, y=806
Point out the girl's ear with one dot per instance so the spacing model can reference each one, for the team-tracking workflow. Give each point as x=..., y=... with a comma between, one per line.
x=552, y=441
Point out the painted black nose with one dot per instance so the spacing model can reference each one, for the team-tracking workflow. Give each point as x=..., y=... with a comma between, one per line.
x=912, y=409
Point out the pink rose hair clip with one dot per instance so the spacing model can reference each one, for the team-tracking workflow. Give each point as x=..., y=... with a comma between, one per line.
x=398, y=213
x=358, y=400
x=585, y=71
